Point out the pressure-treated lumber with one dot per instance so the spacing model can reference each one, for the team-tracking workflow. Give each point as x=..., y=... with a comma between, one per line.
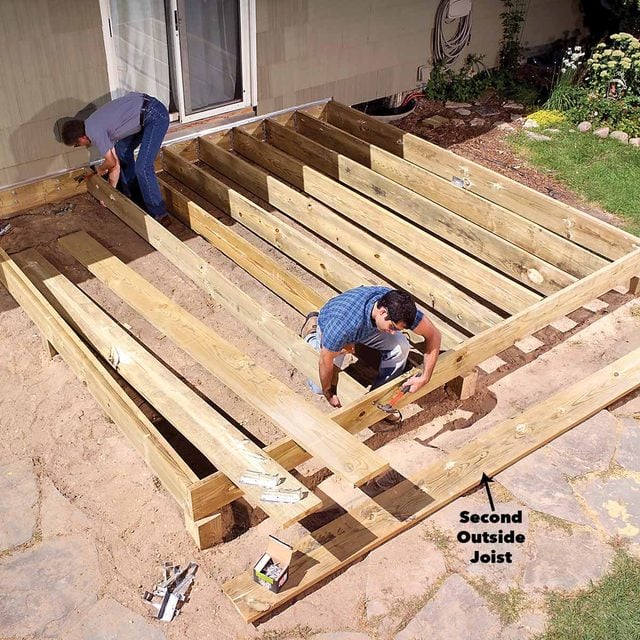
x=291, y=289
x=473, y=351
x=370, y=524
x=446, y=260
x=228, y=449
x=164, y=462
x=426, y=287
x=511, y=226
x=255, y=262
x=335, y=270
x=300, y=420
x=512, y=260
x=558, y=217
x=209, y=496
x=13, y=200
x=265, y=325
x=296, y=245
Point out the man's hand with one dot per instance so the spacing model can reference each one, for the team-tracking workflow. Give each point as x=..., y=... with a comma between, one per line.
x=333, y=400
x=416, y=382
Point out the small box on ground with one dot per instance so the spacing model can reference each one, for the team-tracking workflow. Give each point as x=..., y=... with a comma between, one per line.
x=272, y=570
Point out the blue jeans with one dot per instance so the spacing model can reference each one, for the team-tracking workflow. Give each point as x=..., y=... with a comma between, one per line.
x=394, y=352
x=137, y=177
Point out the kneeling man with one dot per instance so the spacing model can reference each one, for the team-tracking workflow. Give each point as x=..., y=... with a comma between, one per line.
x=373, y=316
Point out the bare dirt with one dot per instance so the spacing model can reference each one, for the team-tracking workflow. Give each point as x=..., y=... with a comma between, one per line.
x=48, y=417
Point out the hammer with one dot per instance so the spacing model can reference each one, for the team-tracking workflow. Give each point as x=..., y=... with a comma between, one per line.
x=390, y=407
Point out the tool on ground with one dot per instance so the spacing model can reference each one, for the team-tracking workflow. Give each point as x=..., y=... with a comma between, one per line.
x=5, y=229
x=173, y=590
x=266, y=480
x=282, y=495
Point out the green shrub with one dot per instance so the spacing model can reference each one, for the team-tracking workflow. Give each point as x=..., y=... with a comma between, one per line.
x=618, y=60
x=623, y=114
x=464, y=85
x=547, y=118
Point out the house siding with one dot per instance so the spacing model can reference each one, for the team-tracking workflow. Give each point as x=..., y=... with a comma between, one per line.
x=358, y=50
x=54, y=62
x=53, y=65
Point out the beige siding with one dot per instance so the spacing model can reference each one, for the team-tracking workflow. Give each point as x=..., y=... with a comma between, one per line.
x=53, y=66
x=357, y=50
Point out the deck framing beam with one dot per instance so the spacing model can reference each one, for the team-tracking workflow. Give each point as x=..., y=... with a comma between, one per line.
x=302, y=421
x=373, y=521
x=211, y=433
x=566, y=221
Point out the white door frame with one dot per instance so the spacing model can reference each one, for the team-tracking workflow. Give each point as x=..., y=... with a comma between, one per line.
x=247, y=50
x=247, y=47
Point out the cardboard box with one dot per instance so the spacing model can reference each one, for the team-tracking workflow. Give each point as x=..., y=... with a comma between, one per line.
x=278, y=554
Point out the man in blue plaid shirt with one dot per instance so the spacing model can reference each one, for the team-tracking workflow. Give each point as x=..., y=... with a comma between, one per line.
x=373, y=316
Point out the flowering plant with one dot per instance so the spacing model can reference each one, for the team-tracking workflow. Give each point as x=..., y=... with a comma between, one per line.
x=617, y=61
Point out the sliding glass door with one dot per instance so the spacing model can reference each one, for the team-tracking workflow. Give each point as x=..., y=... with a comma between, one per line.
x=194, y=55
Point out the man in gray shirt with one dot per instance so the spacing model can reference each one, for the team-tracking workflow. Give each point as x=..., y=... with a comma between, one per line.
x=117, y=129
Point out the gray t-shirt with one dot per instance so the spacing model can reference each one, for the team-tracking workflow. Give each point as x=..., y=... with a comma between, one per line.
x=114, y=121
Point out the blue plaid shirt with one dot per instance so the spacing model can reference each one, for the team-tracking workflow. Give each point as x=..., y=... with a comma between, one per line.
x=346, y=318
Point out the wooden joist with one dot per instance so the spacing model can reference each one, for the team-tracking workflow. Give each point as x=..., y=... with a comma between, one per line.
x=13, y=200
x=422, y=247
x=265, y=325
x=475, y=350
x=165, y=463
x=255, y=262
x=374, y=521
x=475, y=240
x=335, y=270
x=558, y=217
x=300, y=420
x=228, y=449
x=431, y=290
x=511, y=226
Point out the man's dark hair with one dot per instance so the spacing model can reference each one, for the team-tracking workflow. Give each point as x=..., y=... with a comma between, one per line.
x=72, y=131
x=400, y=306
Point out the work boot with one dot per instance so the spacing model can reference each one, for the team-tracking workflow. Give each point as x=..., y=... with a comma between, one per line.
x=165, y=221
x=310, y=324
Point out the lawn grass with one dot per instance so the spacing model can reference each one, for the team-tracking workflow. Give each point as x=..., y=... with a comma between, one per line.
x=603, y=171
x=609, y=610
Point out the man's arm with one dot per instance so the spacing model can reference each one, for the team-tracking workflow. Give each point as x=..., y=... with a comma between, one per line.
x=326, y=376
x=432, y=336
x=110, y=165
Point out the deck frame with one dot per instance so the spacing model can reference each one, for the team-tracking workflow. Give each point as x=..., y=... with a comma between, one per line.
x=349, y=136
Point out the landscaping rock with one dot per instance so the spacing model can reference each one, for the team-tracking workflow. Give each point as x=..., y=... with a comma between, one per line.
x=402, y=581
x=458, y=122
x=108, y=619
x=487, y=112
x=584, y=126
x=45, y=584
x=634, y=141
x=616, y=503
x=621, y=136
x=19, y=492
x=538, y=483
x=515, y=117
x=505, y=126
x=552, y=130
x=530, y=124
x=478, y=122
x=531, y=625
x=456, y=105
x=588, y=447
x=516, y=106
x=628, y=451
x=602, y=132
x=456, y=611
x=434, y=121
x=463, y=112
x=537, y=136
x=559, y=560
